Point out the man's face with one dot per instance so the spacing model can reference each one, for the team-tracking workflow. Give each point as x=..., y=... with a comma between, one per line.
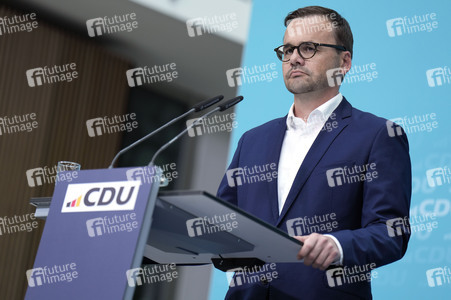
x=304, y=76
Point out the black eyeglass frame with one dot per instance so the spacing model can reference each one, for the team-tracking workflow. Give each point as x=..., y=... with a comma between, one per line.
x=338, y=47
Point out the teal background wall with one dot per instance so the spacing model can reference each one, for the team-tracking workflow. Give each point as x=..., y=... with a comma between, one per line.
x=401, y=89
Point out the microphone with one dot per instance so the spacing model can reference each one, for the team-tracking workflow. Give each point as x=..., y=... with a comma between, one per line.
x=222, y=107
x=230, y=103
x=198, y=107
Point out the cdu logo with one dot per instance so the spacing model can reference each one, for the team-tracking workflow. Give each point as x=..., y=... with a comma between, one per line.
x=101, y=196
x=74, y=203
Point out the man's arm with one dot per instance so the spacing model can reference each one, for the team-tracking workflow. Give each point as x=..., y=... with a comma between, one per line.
x=385, y=198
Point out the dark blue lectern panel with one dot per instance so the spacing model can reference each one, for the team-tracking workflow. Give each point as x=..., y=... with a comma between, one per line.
x=94, y=234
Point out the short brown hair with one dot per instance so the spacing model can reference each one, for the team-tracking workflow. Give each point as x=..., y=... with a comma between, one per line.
x=342, y=30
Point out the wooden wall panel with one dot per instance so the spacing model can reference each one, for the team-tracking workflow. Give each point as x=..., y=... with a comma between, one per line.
x=62, y=110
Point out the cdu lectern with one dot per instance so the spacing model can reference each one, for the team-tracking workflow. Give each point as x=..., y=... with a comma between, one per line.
x=101, y=224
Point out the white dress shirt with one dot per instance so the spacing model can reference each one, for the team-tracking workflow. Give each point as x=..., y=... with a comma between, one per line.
x=299, y=137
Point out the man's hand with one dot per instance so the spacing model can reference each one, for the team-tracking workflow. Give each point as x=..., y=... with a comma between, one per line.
x=319, y=251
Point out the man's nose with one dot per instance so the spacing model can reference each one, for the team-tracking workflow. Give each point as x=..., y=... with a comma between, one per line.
x=296, y=58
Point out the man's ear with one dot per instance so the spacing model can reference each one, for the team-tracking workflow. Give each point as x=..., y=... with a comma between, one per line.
x=346, y=61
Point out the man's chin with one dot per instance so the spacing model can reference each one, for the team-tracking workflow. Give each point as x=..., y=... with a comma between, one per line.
x=299, y=89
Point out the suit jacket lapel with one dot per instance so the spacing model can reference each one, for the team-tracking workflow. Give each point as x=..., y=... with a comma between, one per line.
x=316, y=152
x=273, y=157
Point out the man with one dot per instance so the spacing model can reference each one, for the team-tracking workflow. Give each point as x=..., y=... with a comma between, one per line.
x=343, y=179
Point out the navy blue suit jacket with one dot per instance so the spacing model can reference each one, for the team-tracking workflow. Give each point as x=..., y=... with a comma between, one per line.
x=361, y=207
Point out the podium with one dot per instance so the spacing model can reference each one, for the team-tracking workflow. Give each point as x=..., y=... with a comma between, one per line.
x=100, y=225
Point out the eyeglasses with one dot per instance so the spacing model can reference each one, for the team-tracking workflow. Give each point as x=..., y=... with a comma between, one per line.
x=306, y=50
